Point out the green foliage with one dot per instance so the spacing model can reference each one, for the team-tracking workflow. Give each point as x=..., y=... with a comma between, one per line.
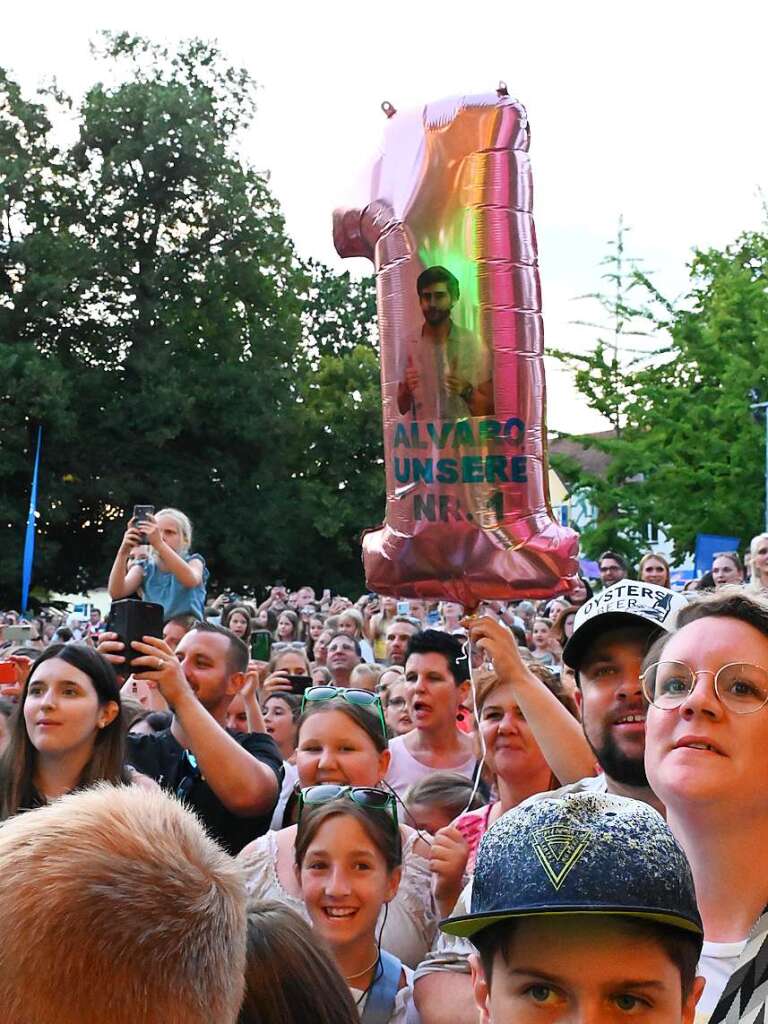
x=156, y=320
x=686, y=452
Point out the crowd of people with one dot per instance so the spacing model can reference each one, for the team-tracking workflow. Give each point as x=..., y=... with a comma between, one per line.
x=393, y=804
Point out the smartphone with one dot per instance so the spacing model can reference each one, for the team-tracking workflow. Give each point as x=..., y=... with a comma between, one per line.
x=141, y=513
x=7, y=672
x=403, y=607
x=18, y=634
x=299, y=684
x=132, y=620
x=261, y=644
x=433, y=618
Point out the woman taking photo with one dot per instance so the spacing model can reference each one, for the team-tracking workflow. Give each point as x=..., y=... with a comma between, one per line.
x=170, y=576
x=286, y=661
x=68, y=732
x=348, y=864
x=344, y=742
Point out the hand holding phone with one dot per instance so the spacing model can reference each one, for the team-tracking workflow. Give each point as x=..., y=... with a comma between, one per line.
x=141, y=514
x=299, y=684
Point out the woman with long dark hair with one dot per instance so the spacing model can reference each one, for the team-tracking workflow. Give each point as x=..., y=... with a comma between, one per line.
x=67, y=732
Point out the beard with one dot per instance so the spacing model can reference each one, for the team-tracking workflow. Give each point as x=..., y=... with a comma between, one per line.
x=435, y=317
x=626, y=770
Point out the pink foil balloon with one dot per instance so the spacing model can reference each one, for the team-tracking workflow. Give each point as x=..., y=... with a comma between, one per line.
x=463, y=391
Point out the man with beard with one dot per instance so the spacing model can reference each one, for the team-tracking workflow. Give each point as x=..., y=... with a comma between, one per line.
x=612, y=633
x=448, y=370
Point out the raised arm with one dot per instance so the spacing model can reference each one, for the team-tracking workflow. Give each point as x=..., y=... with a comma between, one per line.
x=557, y=732
x=245, y=785
x=124, y=581
x=189, y=574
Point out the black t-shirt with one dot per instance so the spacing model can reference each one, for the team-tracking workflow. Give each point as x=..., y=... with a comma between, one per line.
x=163, y=759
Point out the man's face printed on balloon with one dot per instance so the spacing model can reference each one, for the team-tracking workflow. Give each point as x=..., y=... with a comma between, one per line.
x=436, y=303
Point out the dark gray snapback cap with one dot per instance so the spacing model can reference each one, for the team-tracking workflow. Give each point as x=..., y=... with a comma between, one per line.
x=582, y=853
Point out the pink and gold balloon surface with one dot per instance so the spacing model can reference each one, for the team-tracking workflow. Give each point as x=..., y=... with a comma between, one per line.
x=450, y=231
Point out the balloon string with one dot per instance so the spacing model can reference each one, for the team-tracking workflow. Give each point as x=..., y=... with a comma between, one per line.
x=467, y=650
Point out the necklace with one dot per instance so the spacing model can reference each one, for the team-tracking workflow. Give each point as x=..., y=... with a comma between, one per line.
x=349, y=977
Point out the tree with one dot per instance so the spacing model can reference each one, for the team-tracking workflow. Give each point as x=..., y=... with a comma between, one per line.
x=689, y=456
x=156, y=320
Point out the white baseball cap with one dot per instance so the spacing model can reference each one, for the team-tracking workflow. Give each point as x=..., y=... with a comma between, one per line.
x=626, y=603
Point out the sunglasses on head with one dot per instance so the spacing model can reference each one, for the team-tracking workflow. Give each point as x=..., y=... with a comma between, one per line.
x=289, y=645
x=367, y=797
x=362, y=698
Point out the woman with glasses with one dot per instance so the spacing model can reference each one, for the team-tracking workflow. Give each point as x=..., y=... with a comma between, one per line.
x=344, y=742
x=348, y=862
x=707, y=760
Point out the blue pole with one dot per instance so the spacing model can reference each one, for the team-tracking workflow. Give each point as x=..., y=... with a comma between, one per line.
x=29, y=539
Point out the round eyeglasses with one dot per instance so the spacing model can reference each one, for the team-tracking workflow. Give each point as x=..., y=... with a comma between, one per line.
x=739, y=686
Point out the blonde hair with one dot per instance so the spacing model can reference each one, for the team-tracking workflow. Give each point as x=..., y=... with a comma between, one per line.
x=659, y=558
x=363, y=668
x=755, y=583
x=115, y=905
x=185, y=528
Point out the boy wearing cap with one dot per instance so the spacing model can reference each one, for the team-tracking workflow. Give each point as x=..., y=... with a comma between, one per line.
x=583, y=910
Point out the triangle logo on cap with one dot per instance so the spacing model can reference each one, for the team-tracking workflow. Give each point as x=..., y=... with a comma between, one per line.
x=559, y=848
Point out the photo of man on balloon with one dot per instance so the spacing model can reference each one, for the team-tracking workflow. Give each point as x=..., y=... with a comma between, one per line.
x=449, y=371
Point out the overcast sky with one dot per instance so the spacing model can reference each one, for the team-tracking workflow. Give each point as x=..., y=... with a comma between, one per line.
x=651, y=110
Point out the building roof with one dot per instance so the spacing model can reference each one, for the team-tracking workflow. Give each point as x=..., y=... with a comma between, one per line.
x=591, y=459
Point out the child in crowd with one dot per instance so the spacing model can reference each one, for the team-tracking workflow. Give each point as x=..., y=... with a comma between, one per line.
x=169, y=575
x=583, y=910
x=542, y=642
x=365, y=676
x=435, y=801
x=348, y=862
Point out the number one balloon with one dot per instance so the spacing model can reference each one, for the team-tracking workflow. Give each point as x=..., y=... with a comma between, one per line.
x=450, y=231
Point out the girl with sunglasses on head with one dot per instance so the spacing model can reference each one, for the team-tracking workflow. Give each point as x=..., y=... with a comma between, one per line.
x=344, y=742
x=348, y=865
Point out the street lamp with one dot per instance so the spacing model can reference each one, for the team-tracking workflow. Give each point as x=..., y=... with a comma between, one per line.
x=760, y=413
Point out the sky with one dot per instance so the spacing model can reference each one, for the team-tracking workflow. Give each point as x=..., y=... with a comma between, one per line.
x=652, y=112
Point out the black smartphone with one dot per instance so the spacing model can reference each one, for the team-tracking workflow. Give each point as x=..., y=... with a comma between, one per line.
x=141, y=514
x=299, y=684
x=261, y=644
x=132, y=620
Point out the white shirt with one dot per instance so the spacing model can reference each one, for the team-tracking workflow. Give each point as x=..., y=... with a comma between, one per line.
x=718, y=962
